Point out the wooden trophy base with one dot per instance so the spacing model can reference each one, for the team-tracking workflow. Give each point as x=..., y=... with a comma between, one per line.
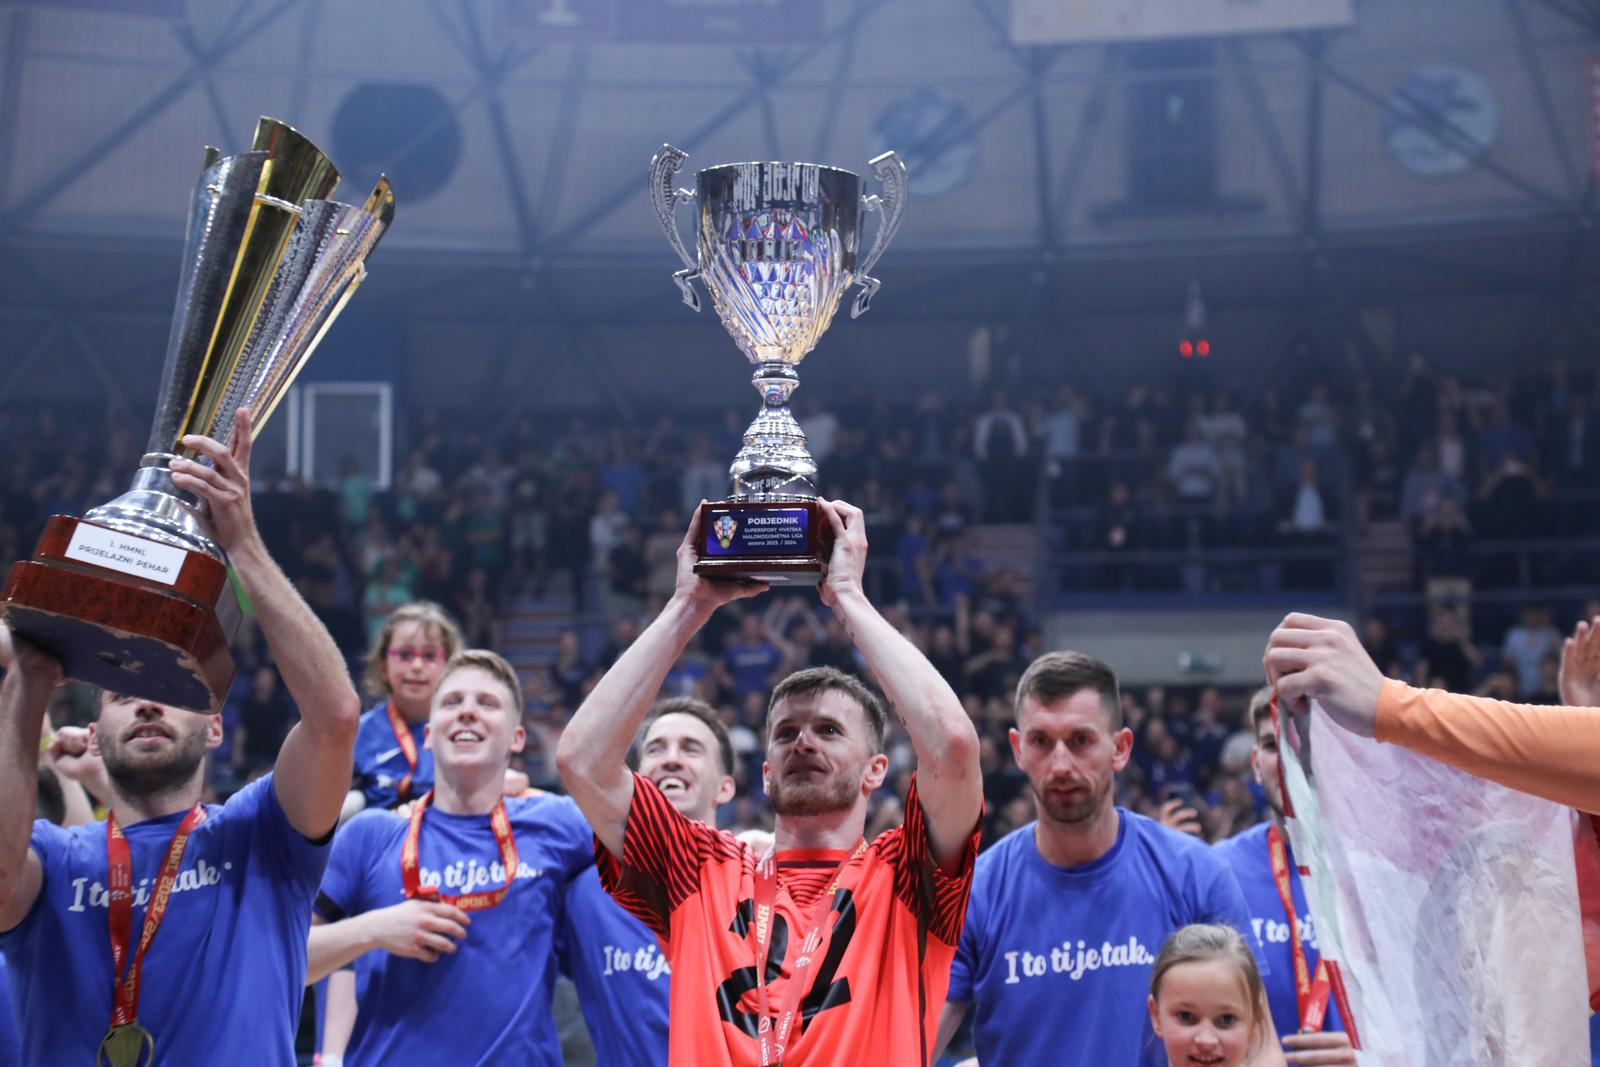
x=779, y=542
x=126, y=613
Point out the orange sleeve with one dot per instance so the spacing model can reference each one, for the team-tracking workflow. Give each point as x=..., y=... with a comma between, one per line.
x=1550, y=752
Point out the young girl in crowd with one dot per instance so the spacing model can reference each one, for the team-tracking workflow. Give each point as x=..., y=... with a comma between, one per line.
x=1207, y=1004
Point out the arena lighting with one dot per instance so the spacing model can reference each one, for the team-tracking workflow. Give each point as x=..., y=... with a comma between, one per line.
x=1192, y=340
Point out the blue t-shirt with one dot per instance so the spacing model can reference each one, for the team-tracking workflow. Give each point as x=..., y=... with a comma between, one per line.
x=1057, y=959
x=380, y=763
x=621, y=974
x=224, y=977
x=1247, y=855
x=751, y=666
x=10, y=1034
x=489, y=1001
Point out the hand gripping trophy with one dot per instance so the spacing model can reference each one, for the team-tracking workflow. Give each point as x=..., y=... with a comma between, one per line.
x=778, y=246
x=135, y=597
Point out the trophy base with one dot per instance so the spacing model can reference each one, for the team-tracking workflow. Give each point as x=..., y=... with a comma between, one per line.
x=145, y=619
x=779, y=542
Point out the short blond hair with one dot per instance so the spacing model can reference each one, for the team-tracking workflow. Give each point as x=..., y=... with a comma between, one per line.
x=492, y=662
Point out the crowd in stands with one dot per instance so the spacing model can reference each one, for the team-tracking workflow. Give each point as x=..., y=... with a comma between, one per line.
x=595, y=510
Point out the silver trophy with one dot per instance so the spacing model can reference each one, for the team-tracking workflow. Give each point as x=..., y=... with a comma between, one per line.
x=778, y=244
x=134, y=597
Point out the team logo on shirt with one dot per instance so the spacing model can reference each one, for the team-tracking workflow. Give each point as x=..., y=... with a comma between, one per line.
x=724, y=528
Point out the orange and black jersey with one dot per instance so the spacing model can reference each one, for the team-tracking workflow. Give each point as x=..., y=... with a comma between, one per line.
x=876, y=993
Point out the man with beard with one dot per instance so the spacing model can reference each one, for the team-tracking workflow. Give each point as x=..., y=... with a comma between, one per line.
x=1263, y=863
x=174, y=922
x=1068, y=913
x=615, y=960
x=827, y=949
x=462, y=893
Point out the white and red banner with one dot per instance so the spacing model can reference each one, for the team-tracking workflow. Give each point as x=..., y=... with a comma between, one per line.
x=1066, y=21
x=1448, y=903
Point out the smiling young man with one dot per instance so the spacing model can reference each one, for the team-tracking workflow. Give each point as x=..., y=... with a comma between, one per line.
x=828, y=949
x=462, y=894
x=1263, y=863
x=614, y=959
x=1068, y=913
x=210, y=932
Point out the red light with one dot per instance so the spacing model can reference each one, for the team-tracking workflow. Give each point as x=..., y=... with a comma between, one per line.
x=1185, y=349
x=1204, y=348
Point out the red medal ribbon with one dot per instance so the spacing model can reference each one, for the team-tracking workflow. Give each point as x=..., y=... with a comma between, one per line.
x=411, y=860
x=1311, y=994
x=774, y=1039
x=119, y=911
x=408, y=749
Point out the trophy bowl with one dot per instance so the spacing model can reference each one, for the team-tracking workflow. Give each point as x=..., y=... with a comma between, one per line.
x=777, y=245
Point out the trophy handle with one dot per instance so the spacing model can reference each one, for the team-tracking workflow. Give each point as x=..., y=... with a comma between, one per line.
x=891, y=171
x=665, y=199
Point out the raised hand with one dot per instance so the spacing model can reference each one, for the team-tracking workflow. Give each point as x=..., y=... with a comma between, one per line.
x=1177, y=815
x=698, y=589
x=847, y=564
x=224, y=486
x=73, y=754
x=1311, y=658
x=36, y=669
x=1580, y=666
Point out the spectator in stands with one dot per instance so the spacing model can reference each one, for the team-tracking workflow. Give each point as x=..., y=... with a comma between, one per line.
x=1061, y=431
x=569, y=672
x=1228, y=433
x=704, y=478
x=1308, y=510
x=627, y=574
x=752, y=661
x=1380, y=645
x=1000, y=444
x=1320, y=419
x=1575, y=443
x=1528, y=644
x=262, y=720
x=820, y=426
x=1508, y=499
x=1451, y=447
x=1448, y=656
x=1380, y=478
x=355, y=494
x=1425, y=483
x=1443, y=539
x=1194, y=467
x=622, y=475
x=1504, y=441
x=476, y=608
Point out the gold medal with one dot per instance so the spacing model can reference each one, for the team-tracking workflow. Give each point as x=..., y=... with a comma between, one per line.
x=126, y=1046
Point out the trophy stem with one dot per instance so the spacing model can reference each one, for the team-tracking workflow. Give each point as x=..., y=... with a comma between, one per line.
x=774, y=465
x=155, y=508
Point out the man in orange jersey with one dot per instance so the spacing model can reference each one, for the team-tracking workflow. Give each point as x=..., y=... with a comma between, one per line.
x=829, y=949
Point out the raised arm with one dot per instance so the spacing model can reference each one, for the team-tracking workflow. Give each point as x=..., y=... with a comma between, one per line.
x=312, y=773
x=950, y=782
x=593, y=751
x=24, y=697
x=1545, y=751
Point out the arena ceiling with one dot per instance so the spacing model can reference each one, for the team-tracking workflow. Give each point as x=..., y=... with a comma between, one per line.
x=525, y=261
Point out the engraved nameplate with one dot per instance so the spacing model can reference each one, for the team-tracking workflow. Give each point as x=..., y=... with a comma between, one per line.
x=126, y=553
